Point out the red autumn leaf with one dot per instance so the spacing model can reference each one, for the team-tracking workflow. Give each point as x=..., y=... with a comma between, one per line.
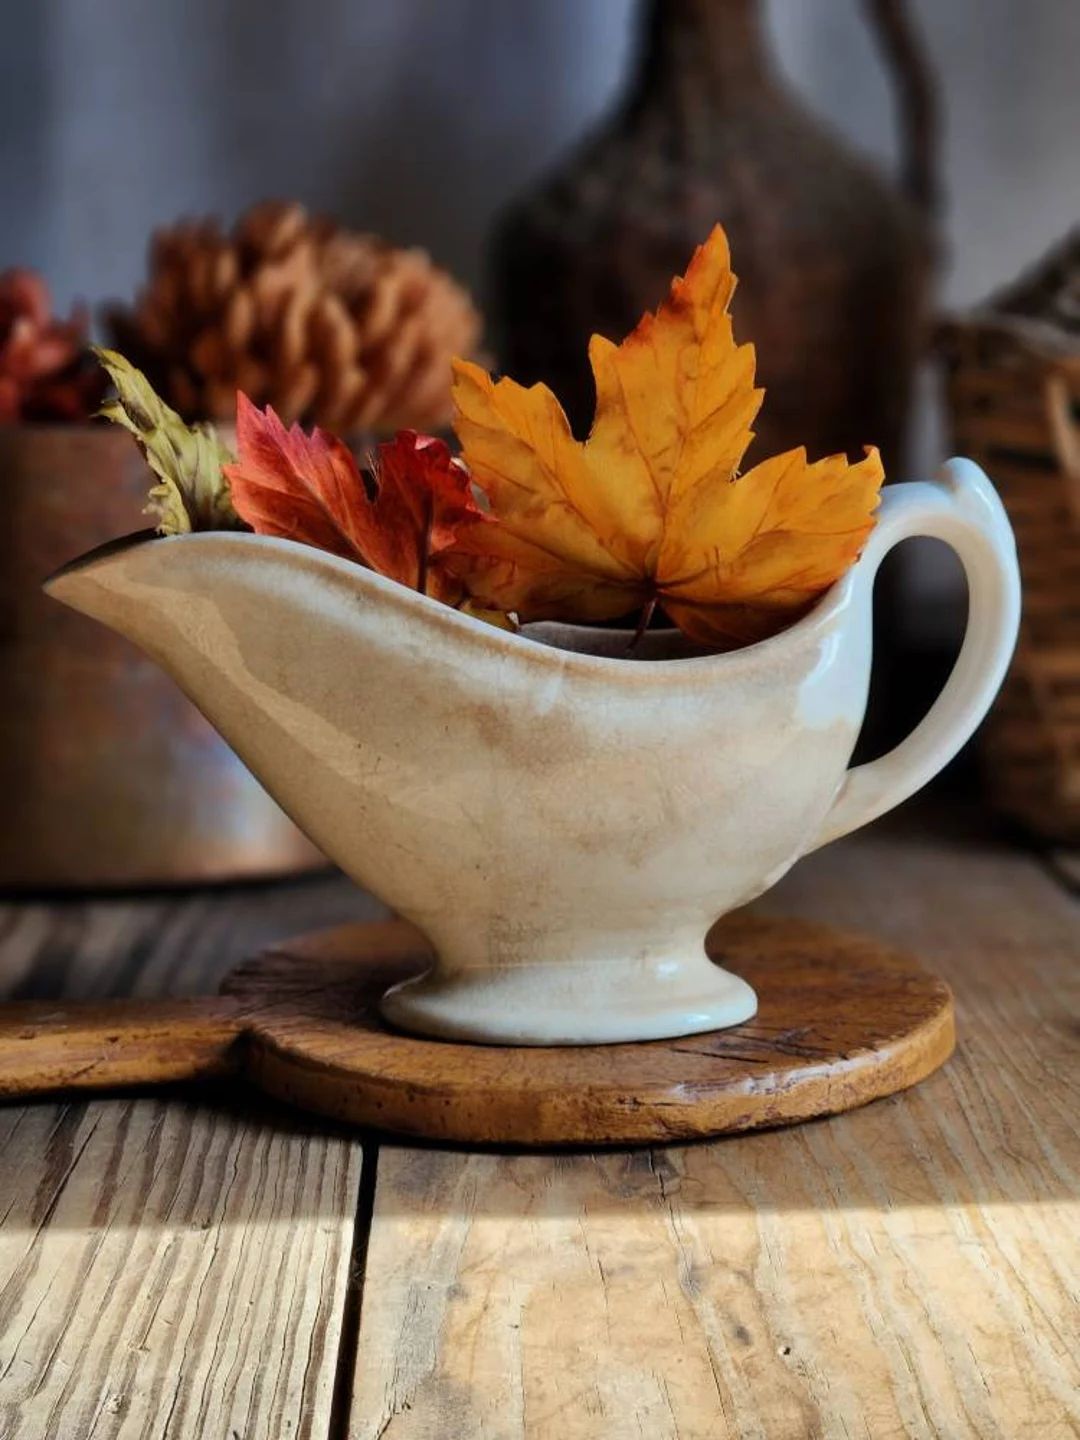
x=309, y=488
x=423, y=493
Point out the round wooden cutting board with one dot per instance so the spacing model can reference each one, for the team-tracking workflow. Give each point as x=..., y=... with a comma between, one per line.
x=842, y=1020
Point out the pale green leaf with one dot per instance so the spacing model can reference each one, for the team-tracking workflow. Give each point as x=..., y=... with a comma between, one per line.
x=192, y=492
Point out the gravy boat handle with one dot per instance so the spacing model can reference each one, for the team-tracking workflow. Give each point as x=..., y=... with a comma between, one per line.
x=962, y=508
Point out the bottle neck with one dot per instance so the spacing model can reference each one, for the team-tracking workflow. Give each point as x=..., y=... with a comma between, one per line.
x=703, y=56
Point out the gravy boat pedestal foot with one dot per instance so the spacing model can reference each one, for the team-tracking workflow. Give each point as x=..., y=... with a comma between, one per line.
x=563, y=825
x=573, y=1002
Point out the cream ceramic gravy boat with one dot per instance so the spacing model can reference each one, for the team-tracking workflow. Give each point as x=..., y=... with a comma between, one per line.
x=562, y=824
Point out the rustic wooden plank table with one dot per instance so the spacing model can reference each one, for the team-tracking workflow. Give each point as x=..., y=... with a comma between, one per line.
x=212, y=1266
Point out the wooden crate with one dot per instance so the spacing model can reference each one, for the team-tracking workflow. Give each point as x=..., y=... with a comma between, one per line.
x=1014, y=400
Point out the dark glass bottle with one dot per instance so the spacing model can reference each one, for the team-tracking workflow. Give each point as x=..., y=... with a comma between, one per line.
x=833, y=261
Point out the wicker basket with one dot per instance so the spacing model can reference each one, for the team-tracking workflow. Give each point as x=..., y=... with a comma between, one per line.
x=1014, y=398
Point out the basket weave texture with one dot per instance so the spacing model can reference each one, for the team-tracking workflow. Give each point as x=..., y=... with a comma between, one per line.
x=1013, y=391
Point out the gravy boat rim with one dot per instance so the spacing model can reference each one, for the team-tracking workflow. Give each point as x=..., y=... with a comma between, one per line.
x=831, y=603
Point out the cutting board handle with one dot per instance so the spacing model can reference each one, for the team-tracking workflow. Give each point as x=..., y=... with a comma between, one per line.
x=49, y=1047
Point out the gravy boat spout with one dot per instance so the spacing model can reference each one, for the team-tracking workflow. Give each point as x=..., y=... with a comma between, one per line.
x=563, y=824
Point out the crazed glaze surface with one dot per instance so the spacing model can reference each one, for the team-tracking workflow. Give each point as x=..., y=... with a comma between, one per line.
x=564, y=826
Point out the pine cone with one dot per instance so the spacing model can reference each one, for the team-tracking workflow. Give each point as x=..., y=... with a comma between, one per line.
x=328, y=326
x=46, y=372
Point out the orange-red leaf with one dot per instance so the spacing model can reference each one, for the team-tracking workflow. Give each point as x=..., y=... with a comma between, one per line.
x=309, y=488
x=423, y=496
x=651, y=507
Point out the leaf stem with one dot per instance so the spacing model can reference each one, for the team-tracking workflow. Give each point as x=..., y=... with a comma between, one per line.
x=425, y=543
x=647, y=611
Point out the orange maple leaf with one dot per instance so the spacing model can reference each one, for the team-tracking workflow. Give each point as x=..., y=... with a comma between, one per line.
x=651, y=509
x=309, y=488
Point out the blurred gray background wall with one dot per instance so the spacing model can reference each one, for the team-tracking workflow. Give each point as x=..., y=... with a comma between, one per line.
x=418, y=118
